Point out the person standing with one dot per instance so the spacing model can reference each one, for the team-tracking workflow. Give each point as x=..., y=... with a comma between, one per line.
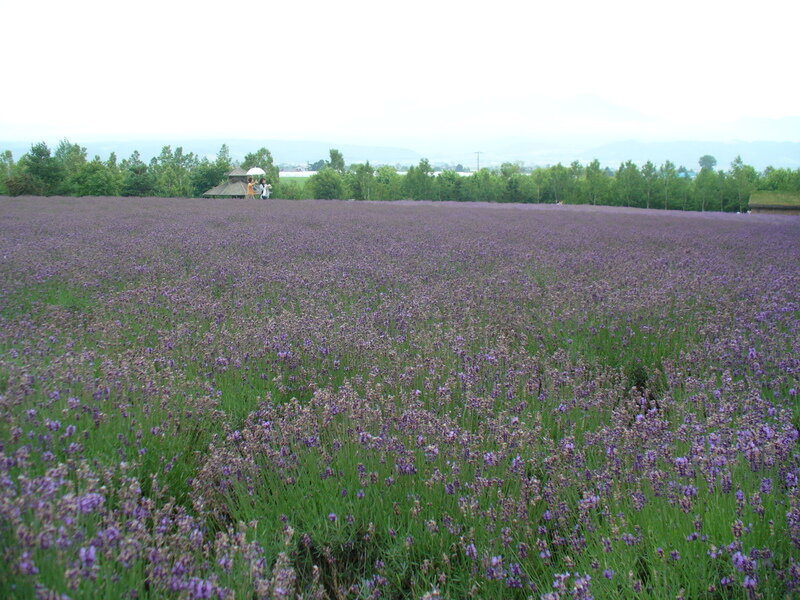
x=265, y=189
x=251, y=189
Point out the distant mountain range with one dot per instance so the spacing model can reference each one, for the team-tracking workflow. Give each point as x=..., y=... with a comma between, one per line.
x=760, y=154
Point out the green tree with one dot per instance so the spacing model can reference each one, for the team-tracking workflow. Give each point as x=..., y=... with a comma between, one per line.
x=667, y=176
x=482, y=186
x=744, y=180
x=597, y=182
x=6, y=169
x=706, y=186
x=361, y=181
x=263, y=158
x=137, y=179
x=707, y=162
x=629, y=184
x=388, y=183
x=511, y=174
x=781, y=180
x=649, y=178
x=207, y=174
x=448, y=186
x=540, y=180
x=683, y=186
x=337, y=160
x=72, y=159
x=419, y=182
x=45, y=173
x=172, y=172
x=95, y=178
x=116, y=173
x=562, y=183
x=224, y=161
x=527, y=188
x=577, y=171
x=327, y=184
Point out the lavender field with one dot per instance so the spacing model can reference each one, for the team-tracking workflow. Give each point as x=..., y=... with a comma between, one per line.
x=234, y=399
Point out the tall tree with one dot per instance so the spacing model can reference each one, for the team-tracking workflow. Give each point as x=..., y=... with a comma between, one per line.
x=95, y=178
x=327, y=184
x=448, y=186
x=72, y=158
x=482, y=186
x=667, y=174
x=137, y=179
x=744, y=179
x=361, y=180
x=781, y=180
x=388, y=183
x=597, y=181
x=512, y=181
x=6, y=169
x=44, y=170
x=649, y=177
x=683, y=185
x=706, y=186
x=224, y=161
x=707, y=162
x=419, y=182
x=629, y=184
x=561, y=182
x=172, y=172
x=262, y=158
x=541, y=182
x=207, y=174
x=337, y=160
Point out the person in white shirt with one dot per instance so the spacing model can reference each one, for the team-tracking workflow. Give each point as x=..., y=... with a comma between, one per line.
x=265, y=189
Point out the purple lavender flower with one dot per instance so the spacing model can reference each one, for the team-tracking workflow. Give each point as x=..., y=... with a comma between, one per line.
x=750, y=582
x=90, y=502
x=471, y=551
x=26, y=565
x=200, y=589
x=88, y=555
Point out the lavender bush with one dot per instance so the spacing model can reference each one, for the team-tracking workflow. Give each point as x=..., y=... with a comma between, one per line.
x=208, y=399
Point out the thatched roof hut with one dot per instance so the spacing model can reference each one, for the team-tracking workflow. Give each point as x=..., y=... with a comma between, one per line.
x=235, y=187
x=775, y=203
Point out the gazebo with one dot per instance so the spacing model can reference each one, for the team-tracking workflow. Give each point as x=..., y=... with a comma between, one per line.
x=235, y=187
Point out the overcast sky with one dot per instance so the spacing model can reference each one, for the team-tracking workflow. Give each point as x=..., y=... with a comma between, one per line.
x=398, y=73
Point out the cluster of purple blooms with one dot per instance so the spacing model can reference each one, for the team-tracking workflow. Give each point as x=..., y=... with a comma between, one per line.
x=362, y=401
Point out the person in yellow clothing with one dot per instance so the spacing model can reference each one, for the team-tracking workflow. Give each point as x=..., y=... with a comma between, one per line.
x=251, y=189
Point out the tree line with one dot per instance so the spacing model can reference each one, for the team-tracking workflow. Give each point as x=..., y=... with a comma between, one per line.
x=67, y=171
x=176, y=173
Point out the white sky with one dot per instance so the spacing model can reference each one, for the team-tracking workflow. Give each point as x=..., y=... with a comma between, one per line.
x=396, y=73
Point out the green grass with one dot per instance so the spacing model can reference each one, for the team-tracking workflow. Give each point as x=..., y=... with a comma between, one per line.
x=768, y=198
x=52, y=292
x=299, y=180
